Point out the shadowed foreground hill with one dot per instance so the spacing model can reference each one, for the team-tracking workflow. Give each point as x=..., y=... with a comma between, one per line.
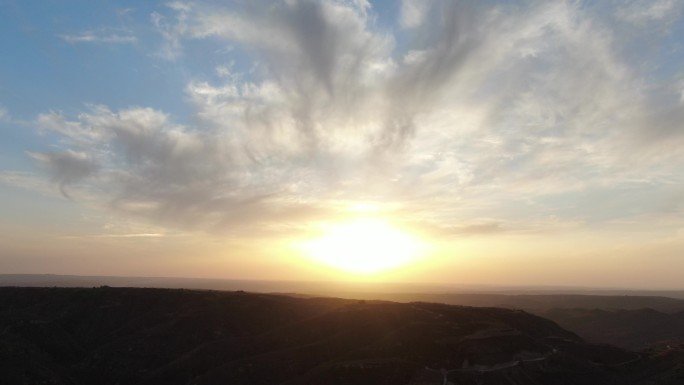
x=165, y=336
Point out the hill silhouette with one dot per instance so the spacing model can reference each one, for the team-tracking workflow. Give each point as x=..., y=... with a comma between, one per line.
x=536, y=303
x=174, y=336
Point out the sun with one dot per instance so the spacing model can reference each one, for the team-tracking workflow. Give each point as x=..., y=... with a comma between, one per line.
x=363, y=246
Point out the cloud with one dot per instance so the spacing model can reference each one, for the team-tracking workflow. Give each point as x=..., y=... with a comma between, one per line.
x=92, y=37
x=484, y=112
x=413, y=13
x=154, y=169
x=27, y=181
x=125, y=11
x=641, y=11
x=470, y=230
x=4, y=114
x=66, y=167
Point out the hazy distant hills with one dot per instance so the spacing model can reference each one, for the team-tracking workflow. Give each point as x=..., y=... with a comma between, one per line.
x=163, y=336
x=631, y=329
x=474, y=295
x=630, y=322
x=539, y=302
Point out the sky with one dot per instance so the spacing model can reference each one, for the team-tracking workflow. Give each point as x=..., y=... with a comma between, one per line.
x=462, y=142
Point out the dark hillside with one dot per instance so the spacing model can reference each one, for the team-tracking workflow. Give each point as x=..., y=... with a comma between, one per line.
x=172, y=336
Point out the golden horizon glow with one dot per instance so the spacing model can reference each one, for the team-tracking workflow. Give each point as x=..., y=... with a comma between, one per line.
x=363, y=246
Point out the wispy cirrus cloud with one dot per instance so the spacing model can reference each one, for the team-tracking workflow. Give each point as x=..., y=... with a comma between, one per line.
x=641, y=12
x=99, y=37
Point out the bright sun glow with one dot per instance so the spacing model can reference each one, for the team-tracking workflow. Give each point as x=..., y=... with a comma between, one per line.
x=363, y=246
